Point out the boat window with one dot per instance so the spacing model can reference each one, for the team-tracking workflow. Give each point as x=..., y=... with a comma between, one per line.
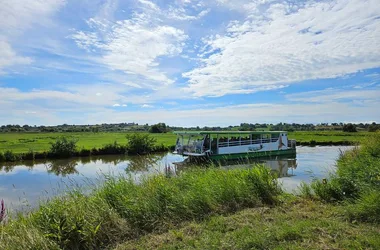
x=276, y=135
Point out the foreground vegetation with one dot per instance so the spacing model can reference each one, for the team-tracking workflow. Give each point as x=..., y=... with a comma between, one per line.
x=355, y=184
x=213, y=208
x=295, y=224
x=123, y=210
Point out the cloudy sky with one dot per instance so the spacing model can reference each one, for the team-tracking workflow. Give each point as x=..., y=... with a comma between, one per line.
x=189, y=62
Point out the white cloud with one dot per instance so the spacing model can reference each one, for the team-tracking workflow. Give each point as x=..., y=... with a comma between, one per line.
x=63, y=99
x=8, y=57
x=149, y=4
x=179, y=13
x=116, y=105
x=16, y=17
x=146, y=106
x=134, y=45
x=287, y=45
x=328, y=95
x=124, y=105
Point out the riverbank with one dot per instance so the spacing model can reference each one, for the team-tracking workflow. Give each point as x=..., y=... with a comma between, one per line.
x=30, y=146
x=213, y=207
x=295, y=224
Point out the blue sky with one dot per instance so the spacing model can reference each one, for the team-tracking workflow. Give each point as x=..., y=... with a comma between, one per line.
x=189, y=62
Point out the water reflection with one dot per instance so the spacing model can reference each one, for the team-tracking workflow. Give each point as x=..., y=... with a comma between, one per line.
x=24, y=184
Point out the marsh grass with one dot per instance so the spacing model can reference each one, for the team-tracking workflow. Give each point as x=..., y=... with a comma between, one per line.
x=159, y=202
x=123, y=210
x=356, y=181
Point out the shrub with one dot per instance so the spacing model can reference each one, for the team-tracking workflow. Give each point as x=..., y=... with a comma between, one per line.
x=2, y=157
x=10, y=156
x=140, y=143
x=84, y=152
x=63, y=148
x=349, y=127
x=113, y=148
x=29, y=156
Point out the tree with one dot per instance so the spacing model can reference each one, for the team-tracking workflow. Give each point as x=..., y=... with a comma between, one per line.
x=374, y=127
x=349, y=127
x=158, y=128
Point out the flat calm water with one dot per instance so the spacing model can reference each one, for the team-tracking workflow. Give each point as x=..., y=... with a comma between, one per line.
x=24, y=185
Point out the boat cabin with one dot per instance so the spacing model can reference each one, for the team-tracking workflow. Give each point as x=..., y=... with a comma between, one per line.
x=222, y=143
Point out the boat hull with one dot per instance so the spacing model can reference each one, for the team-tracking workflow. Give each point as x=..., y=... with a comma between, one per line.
x=255, y=154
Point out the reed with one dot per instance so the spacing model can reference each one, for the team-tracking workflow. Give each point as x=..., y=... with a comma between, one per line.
x=356, y=182
x=123, y=209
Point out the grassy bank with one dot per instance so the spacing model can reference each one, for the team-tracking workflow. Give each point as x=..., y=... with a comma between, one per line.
x=355, y=184
x=122, y=210
x=40, y=142
x=295, y=224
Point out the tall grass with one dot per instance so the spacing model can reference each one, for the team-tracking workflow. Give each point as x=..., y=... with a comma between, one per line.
x=122, y=209
x=356, y=181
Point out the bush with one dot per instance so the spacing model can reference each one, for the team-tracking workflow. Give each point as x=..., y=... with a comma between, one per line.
x=10, y=156
x=63, y=148
x=140, y=143
x=2, y=157
x=349, y=127
x=84, y=152
x=113, y=148
x=29, y=156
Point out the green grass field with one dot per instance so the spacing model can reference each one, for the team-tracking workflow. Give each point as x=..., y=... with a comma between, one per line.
x=326, y=136
x=39, y=142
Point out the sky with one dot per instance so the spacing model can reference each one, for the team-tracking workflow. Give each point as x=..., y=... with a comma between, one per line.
x=189, y=62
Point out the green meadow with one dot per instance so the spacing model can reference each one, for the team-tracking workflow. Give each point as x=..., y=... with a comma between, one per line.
x=39, y=142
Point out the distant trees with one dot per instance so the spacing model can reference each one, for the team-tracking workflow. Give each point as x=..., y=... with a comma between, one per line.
x=158, y=128
x=163, y=128
x=349, y=127
x=373, y=127
x=247, y=127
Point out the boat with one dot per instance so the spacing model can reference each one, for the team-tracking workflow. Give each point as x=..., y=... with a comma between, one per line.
x=233, y=145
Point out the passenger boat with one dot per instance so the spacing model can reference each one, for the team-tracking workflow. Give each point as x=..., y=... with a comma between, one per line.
x=230, y=145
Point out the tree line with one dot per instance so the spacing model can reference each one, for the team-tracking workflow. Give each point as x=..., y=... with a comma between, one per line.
x=164, y=128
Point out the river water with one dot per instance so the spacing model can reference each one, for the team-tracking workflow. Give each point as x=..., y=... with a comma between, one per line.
x=24, y=185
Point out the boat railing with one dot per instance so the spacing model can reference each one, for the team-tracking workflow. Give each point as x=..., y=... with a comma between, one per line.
x=246, y=142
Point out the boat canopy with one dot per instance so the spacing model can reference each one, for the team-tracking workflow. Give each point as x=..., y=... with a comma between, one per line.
x=227, y=132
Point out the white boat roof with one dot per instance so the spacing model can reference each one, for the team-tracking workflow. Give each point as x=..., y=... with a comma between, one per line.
x=226, y=132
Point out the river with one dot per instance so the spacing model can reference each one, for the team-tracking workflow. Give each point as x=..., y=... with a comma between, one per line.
x=24, y=185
